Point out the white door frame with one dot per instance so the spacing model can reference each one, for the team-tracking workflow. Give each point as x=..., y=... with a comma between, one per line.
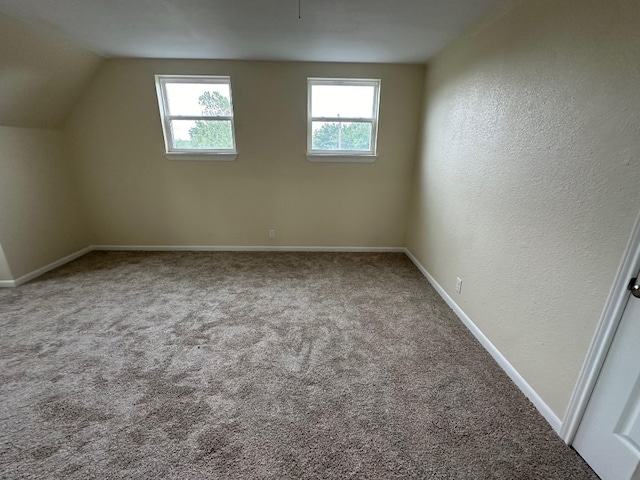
x=605, y=331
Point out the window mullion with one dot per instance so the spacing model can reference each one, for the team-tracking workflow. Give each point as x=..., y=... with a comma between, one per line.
x=343, y=120
x=211, y=135
x=348, y=142
x=199, y=117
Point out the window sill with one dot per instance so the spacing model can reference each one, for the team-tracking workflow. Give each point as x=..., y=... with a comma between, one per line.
x=202, y=156
x=341, y=158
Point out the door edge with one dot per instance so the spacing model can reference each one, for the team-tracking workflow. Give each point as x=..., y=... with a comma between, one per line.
x=601, y=341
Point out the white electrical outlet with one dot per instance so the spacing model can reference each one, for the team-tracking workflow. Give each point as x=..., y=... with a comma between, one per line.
x=272, y=234
x=458, y=284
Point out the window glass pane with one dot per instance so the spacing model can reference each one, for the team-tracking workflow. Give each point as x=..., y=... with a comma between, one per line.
x=202, y=134
x=355, y=101
x=198, y=99
x=350, y=136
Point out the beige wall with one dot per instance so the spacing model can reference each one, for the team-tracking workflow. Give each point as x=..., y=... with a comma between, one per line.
x=5, y=271
x=527, y=181
x=41, y=75
x=41, y=78
x=136, y=196
x=525, y=185
x=40, y=221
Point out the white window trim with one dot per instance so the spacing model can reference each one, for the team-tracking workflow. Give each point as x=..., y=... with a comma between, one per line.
x=172, y=153
x=348, y=156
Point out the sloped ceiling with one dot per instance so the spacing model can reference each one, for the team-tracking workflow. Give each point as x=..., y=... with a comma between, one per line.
x=41, y=75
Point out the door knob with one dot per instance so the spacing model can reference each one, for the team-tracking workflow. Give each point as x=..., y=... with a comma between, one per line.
x=634, y=287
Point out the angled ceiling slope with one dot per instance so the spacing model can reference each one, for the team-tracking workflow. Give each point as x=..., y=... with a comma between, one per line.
x=41, y=75
x=384, y=31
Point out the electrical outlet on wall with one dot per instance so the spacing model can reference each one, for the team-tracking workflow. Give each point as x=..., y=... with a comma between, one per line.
x=272, y=234
x=458, y=284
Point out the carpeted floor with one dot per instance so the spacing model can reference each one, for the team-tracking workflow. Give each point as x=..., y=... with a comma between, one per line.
x=256, y=366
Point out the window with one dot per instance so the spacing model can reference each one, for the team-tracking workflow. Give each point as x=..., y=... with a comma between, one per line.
x=197, y=117
x=342, y=119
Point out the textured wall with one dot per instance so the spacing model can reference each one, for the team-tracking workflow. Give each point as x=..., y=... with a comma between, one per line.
x=135, y=196
x=41, y=75
x=40, y=218
x=527, y=181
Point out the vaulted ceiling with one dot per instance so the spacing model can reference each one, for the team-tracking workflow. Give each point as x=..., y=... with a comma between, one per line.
x=41, y=75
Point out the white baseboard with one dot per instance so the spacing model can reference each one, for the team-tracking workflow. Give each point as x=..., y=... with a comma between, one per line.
x=188, y=248
x=509, y=369
x=232, y=248
x=36, y=273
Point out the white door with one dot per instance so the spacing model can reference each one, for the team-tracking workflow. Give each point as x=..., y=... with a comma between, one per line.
x=609, y=434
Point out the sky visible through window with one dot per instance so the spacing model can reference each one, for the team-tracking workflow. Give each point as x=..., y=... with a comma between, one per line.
x=342, y=116
x=344, y=101
x=354, y=101
x=183, y=99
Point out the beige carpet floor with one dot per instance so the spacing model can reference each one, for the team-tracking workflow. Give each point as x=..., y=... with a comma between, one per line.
x=256, y=366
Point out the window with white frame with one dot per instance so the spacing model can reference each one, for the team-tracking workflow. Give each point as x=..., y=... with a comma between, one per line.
x=197, y=115
x=342, y=118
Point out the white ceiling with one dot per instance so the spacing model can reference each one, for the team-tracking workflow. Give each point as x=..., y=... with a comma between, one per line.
x=395, y=31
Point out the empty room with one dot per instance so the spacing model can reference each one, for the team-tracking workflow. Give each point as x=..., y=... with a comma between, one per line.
x=303, y=239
